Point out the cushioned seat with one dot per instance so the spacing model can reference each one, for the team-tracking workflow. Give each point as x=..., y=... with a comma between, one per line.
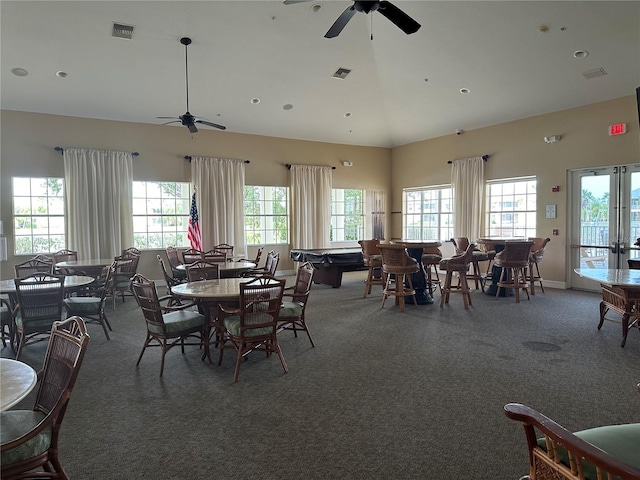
x=457, y=264
x=16, y=423
x=373, y=261
x=397, y=262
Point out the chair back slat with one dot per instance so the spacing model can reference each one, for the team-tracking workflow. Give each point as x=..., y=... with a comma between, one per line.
x=40, y=298
x=203, y=271
x=214, y=255
x=173, y=257
x=192, y=255
x=35, y=265
x=260, y=301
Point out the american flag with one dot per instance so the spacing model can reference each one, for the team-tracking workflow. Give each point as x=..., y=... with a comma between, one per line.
x=193, y=233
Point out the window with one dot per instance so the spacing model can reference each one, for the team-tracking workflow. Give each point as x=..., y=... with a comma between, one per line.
x=266, y=215
x=347, y=215
x=38, y=215
x=160, y=214
x=511, y=207
x=428, y=213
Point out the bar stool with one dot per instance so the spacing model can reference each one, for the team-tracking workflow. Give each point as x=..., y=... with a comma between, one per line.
x=431, y=257
x=461, y=244
x=513, y=262
x=459, y=264
x=396, y=261
x=373, y=261
x=535, y=258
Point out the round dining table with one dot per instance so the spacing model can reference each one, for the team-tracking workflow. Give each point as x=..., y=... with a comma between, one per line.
x=17, y=380
x=70, y=281
x=228, y=269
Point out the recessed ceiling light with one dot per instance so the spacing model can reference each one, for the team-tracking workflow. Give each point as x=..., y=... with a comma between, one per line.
x=62, y=74
x=347, y=115
x=255, y=100
x=19, y=72
x=287, y=106
x=580, y=54
x=464, y=91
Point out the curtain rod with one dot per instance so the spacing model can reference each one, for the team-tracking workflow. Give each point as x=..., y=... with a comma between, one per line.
x=61, y=150
x=288, y=165
x=188, y=158
x=484, y=157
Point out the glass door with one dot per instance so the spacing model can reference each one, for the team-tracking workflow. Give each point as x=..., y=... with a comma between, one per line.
x=605, y=219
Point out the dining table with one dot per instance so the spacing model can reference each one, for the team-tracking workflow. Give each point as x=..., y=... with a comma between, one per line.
x=90, y=266
x=620, y=293
x=228, y=269
x=415, y=249
x=17, y=380
x=70, y=281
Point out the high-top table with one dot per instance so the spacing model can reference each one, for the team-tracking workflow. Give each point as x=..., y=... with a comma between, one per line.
x=17, y=380
x=415, y=248
x=497, y=243
x=620, y=293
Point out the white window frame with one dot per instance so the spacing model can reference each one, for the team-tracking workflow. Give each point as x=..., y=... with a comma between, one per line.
x=414, y=210
x=160, y=220
x=38, y=215
x=515, y=199
x=343, y=210
x=261, y=228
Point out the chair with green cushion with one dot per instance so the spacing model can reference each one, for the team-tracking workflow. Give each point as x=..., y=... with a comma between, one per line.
x=91, y=306
x=253, y=326
x=29, y=438
x=126, y=268
x=167, y=326
x=607, y=452
x=294, y=302
x=39, y=298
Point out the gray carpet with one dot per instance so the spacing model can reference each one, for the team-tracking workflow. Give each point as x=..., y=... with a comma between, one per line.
x=384, y=395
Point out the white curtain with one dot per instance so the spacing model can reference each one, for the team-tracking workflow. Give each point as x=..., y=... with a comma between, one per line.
x=467, y=178
x=310, y=206
x=219, y=184
x=99, y=212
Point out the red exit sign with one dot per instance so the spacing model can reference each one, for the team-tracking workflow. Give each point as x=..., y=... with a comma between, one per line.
x=618, y=129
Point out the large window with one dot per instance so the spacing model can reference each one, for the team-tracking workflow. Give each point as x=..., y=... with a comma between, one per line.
x=38, y=215
x=347, y=215
x=160, y=214
x=511, y=207
x=428, y=213
x=266, y=215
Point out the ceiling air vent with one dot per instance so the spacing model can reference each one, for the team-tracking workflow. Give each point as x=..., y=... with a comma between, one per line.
x=120, y=30
x=596, y=72
x=341, y=73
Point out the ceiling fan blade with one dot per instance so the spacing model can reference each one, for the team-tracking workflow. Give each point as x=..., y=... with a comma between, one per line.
x=211, y=124
x=192, y=128
x=160, y=118
x=340, y=23
x=167, y=123
x=403, y=21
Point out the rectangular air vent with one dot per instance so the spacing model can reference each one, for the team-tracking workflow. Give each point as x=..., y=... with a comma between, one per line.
x=120, y=30
x=341, y=73
x=596, y=72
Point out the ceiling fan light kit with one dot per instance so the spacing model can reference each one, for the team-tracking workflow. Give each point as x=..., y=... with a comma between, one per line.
x=187, y=119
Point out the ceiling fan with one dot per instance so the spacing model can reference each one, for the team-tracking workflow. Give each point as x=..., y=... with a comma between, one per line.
x=187, y=119
x=403, y=21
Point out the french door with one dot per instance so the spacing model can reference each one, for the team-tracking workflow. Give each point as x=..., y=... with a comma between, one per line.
x=605, y=219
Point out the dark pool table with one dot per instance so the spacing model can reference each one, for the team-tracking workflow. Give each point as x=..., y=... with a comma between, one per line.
x=330, y=263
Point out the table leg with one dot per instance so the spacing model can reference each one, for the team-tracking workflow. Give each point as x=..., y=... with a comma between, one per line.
x=419, y=278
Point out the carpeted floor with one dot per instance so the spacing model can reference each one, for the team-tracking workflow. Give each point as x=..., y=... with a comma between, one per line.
x=384, y=395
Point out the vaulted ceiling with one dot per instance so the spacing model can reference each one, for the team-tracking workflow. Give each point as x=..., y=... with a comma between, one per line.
x=265, y=68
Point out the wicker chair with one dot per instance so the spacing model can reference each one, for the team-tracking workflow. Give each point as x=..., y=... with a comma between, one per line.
x=606, y=452
x=295, y=302
x=396, y=262
x=39, y=298
x=191, y=255
x=431, y=257
x=373, y=261
x=224, y=248
x=461, y=244
x=126, y=268
x=132, y=251
x=513, y=262
x=458, y=264
x=30, y=437
x=253, y=326
x=35, y=265
x=254, y=260
x=214, y=256
x=270, y=266
x=90, y=306
x=173, y=257
x=535, y=259
x=197, y=271
x=65, y=256
x=167, y=325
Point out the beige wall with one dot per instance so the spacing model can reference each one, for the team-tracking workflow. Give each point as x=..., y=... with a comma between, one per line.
x=517, y=149
x=28, y=142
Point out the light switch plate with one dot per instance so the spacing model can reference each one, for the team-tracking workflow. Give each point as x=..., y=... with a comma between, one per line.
x=550, y=211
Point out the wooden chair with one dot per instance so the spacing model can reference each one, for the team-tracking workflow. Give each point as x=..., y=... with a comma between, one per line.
x=167, y=326
x=132, y=251
x=555, y=453
x=126, y=268
x=214, y=256
x=253, y=326
x=373, y=261
x=461, y=244
x=254, y=260
x=270, y=266
x=30, y=437
x=623, y=301
x=513, y=262
x=39, y=298
x=535, y=259
x=197, y=271
x=168, y=278
x=396, y=263
x=191, y=255
x=173, y=257
x=65, y=256
x=224, y=248
x=90, y=306
x=431, y=257
x=35, y=265
x=295, y=300
x=458, y=264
